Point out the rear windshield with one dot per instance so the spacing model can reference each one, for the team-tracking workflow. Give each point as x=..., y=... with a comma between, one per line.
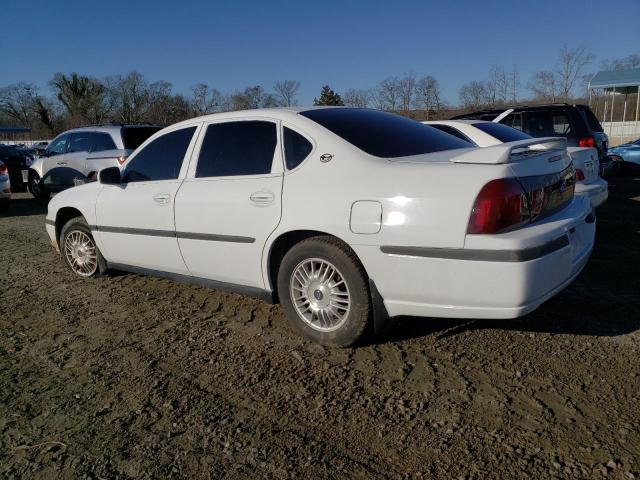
x=592, y=121
x=133, y=137
x=502, y=132
x=384, y=134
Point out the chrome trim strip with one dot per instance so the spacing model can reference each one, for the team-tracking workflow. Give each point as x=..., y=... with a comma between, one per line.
x=169, y=233
x=523, y=255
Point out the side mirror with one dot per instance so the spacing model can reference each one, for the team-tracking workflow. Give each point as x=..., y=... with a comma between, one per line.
x=110, y=176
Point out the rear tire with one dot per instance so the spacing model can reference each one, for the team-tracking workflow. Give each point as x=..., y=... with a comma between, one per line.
x=79, y=250
x=36, y=187
x=324, y=291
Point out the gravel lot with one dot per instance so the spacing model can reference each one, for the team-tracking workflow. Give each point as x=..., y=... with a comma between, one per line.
x=133, y=377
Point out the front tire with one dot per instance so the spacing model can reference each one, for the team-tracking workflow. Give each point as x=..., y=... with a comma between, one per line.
x=324, y=291
x=36, y=187
x=79, y=249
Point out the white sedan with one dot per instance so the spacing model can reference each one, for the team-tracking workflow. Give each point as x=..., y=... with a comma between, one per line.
x=485, y=134
x=346, y=216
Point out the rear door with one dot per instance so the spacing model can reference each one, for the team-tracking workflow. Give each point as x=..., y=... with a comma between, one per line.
x=231, y=201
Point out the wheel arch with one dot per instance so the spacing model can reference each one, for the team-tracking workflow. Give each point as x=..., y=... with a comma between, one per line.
x=63, y=215
x=283, y=243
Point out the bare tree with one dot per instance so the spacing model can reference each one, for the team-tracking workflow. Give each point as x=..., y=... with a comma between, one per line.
x=205, y=99
x=83, y=97
x=428, y=95
x=514, y=84
x=544, y=86
x=572, y=62
x=18, y=103
x=130, y=97
x=356, y=98
x=474, y=94
x=625, y=63
x=407, y=88
x=286, y=91
x=387, y=94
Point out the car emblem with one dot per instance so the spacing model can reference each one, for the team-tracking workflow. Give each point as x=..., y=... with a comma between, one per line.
x=326, y=157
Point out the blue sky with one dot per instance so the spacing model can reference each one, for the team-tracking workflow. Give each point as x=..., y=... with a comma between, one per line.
x=345, y=44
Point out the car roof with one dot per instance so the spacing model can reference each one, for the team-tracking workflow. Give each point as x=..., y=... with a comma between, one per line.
x=279, y=113
x=110, y=128
x=465, y=121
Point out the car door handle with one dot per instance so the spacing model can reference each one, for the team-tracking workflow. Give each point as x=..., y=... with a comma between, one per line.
x=262, y=198
x=162, y=198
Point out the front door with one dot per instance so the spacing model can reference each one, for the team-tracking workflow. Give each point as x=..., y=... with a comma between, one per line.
x=231, y=202
x=135, y=220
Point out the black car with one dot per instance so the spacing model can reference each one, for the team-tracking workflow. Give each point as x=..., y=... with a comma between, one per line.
x=575, y=122
x=16, y=162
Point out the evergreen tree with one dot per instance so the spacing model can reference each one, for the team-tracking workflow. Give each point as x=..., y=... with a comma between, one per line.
x=328, y=97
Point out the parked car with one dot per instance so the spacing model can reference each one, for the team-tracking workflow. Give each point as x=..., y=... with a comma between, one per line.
x=5, y=188
x=627, y=155
x=17, y=164
x=485, y=134
x=576, y=123
x=75, y=156
x=346, y=216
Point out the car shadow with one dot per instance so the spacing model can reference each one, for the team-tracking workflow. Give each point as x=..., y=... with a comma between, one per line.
x=23, y=204
x=603, y=301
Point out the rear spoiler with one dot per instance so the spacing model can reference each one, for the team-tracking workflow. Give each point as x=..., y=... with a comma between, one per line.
x=505, y=152
x=120, y=152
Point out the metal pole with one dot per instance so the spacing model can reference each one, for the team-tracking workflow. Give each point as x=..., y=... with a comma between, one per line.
x=604, y=113
x=613, y=104
x=590, y=92
x=637, y=105
x=624, y=114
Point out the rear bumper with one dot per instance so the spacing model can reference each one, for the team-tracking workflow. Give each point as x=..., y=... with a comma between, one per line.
x=597, y=192
x=503, y=276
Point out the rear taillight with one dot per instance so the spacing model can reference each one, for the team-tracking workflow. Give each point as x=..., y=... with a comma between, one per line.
x=587, y=142
x=499, y=205
x=579, y=175
x=508, y=203
x=4, y=170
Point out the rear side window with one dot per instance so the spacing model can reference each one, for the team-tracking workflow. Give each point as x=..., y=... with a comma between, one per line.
x=296, y=148
x=502, y=132
x=549, y=123
x=383, y=134
x=101, y=142
x=452, y=131
x=237, y=148
x=133, y=137
x=80, y=142
x=161, y=159
x=592, y=121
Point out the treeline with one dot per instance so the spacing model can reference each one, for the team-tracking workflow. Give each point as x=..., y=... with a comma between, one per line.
x=77, y=99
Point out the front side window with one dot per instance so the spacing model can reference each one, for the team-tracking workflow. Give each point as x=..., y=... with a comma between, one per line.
x=383, y=134
x=161, y=159
x=101, y=142
x=296, y=148
x=504, y=133
x=237, y=148
x=58, y=146
x=79, y=142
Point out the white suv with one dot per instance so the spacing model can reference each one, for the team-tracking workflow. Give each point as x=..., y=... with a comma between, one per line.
x=77, y=155
x=345, y=215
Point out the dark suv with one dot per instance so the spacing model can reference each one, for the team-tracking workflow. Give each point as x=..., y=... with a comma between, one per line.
x=575, y=122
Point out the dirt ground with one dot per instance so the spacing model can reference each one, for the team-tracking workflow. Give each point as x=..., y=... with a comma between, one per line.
x=133, y=377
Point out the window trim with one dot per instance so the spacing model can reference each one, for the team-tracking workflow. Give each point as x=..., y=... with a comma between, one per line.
x=301, y=132
x=276, y=164
x=186, y=161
